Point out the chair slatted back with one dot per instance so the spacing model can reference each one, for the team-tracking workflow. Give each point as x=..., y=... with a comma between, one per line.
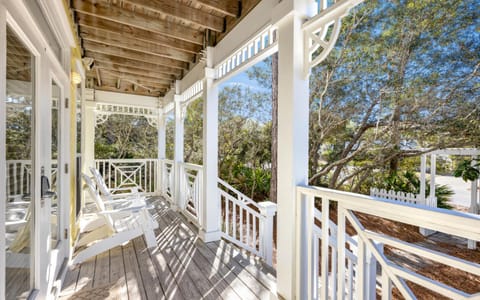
x=98, y=200
x=102, y=186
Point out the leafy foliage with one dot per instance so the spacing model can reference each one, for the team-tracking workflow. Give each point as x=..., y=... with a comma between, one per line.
x=123, y=136
x=467, y=170
x=409, y=182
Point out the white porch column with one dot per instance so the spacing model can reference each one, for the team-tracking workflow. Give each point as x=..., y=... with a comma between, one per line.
x=88, y=132
x=161, y=149
x=178, y=152
x=210, y=214
x=293, y=115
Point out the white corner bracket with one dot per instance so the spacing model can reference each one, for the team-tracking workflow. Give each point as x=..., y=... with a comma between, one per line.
x=329, y=20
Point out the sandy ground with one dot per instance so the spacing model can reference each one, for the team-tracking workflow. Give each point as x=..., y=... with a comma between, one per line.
x=461, y=188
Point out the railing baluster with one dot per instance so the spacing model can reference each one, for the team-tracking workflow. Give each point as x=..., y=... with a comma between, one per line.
x=241, y=225
x=341, y=254
x=234, y=220
x=386, y=286
x=350, y=282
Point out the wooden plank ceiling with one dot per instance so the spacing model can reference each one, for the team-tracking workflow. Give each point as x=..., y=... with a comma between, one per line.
x=143, y=46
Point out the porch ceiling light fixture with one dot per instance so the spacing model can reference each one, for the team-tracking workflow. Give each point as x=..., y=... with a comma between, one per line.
x=76, y=78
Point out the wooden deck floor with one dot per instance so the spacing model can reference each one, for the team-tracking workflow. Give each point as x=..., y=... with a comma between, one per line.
x=181, y=267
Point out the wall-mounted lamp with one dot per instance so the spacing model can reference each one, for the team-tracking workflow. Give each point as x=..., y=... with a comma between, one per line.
x=76, y=78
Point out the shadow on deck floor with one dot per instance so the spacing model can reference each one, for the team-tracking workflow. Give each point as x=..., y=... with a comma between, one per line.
x=181, y=267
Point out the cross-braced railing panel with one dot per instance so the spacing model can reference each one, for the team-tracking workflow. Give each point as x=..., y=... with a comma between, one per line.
x=121, y=173
x=336, y=281
x=168, y=178
x=191, y=181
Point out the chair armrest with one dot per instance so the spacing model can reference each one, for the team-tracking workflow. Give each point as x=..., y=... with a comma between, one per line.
x=133, y=209
x=133, y=190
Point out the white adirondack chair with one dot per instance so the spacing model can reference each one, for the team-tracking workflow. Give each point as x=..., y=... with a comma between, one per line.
x=112, y=194
x=123, y=224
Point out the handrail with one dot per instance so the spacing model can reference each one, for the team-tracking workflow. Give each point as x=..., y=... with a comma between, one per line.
x=240, y=196
x=336, y=276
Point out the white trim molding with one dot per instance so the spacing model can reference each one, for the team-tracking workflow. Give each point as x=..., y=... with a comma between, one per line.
x=329, y=20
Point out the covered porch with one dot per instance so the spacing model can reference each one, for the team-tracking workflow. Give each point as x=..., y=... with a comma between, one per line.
x=153, y=58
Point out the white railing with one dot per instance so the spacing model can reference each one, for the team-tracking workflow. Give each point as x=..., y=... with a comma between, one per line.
x=246, y=223
x=121, y=173
x=168, y=178
x=191, y=191
x=334, y=280
x=396, y=196
x=19, y=177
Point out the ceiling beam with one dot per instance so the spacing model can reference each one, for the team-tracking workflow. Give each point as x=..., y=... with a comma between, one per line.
x=111, y=80
x=129, y=32
x=127, y=89
x=181, y=12
x=130, y=70
x=110, y=38
x=135, y=77
x=130, y=18
x=227, y=7
x=121, y=61
x=135, y=55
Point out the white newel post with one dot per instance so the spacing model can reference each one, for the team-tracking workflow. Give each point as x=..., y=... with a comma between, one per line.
x=473, y=204
x=267, y=209
x=210, y=212
x=161, y=144
x=307, y=264
x=88, y=132
x=293, y=114
x=423, y=196
x=178, y=153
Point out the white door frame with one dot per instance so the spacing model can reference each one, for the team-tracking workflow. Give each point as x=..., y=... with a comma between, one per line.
x=47, y=67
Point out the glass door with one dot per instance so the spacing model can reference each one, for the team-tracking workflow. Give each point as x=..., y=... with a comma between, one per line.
x=53, y=193
x=19, y=127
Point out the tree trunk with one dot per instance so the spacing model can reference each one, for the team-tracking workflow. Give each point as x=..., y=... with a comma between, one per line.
x=273, y=180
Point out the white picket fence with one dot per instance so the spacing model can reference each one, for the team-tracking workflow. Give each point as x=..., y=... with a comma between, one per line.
x=121, y=173
x=246, y=223
x=353, y=265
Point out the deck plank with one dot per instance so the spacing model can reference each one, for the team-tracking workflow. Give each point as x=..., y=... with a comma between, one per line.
x=218, y=266
x=181, y=267
x=117, y=272
x=85, y=277
x=132, y=273
x=70, y=281
x=204, y=286
x=186, y=285
x=102, y=270
x=149, y=277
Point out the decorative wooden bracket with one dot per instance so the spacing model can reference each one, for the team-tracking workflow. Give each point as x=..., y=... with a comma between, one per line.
x=103, y=111
x=322, y=31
